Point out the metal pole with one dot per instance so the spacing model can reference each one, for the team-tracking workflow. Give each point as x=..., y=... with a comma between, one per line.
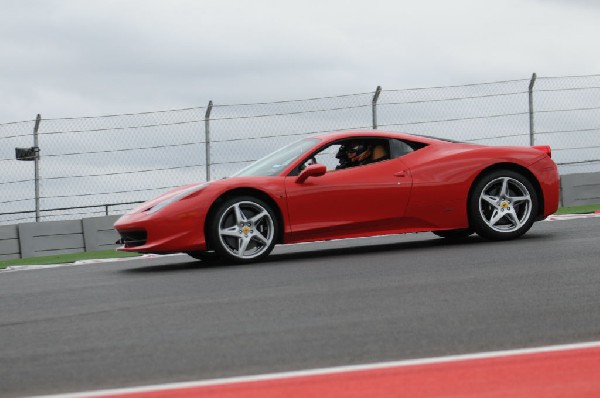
x=374, y=105
x=531, y=125
x=36, y=149
x=207, y=138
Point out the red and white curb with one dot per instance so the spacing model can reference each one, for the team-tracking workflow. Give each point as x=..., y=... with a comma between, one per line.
x=552, y=371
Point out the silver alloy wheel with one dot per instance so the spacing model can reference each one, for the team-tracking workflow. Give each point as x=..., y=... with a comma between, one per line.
x=505, y=204
x=246, y=230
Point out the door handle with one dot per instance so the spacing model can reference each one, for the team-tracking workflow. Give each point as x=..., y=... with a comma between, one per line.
x=402, y=173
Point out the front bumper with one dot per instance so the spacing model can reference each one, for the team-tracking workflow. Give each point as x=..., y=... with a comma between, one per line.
x=164, y=232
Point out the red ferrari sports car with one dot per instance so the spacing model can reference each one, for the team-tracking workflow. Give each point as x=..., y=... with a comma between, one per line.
x=350, y=184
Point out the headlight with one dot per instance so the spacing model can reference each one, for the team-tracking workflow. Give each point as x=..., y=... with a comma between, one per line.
x=175, y=198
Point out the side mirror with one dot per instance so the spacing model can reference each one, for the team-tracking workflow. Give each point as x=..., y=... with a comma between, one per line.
x=314, y=170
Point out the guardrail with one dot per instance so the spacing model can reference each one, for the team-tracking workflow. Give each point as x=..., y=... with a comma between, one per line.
x=106, y=207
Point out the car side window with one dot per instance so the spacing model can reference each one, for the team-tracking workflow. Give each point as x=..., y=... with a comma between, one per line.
x=401, y=147
x=325, y=156
x=350, y=153
x=328, y=157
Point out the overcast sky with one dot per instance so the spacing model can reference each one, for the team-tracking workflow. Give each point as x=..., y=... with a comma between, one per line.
x=65, y=58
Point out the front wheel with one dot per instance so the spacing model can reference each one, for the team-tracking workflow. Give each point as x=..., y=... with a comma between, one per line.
x=204, y=256
x=243, y=229
x=503, y=205
x=454, y=234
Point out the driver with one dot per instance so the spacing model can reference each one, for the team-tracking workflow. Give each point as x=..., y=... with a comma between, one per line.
x=354, y=154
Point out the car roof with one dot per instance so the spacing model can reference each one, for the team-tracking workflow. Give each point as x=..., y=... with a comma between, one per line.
x=337, y=135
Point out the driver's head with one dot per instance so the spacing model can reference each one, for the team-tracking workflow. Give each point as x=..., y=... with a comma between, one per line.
x=357, y=151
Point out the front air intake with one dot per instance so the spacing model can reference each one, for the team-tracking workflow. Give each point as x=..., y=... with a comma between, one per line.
x=133, y=238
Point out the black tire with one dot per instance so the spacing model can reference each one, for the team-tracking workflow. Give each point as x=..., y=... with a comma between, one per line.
x=503, y=205
x=204, y=256
x=454, y=234
x=243, y=229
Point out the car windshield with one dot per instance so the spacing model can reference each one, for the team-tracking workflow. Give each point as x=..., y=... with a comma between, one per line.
x=275, y=162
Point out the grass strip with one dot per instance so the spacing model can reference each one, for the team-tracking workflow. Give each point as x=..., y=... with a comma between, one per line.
x=578, y=209
x=66, y=258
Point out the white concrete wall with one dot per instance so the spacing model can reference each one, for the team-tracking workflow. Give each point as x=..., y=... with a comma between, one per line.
x=49, y=238
x=98, y=233
x=9, y=242
x=57, y=237
x=580, y=189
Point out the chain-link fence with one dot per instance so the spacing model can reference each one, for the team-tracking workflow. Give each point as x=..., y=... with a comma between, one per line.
x=103, y=165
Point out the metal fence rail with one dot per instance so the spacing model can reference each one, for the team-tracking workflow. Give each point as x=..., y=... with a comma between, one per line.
x=86, y=163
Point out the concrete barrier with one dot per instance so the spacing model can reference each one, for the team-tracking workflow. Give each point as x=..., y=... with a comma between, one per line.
x=50, y=238
x=98, y=233
x=580, y=189
x=57, y=237
x=9, y=242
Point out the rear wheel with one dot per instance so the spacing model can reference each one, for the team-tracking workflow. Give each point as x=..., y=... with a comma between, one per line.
x=503, y=205
x=243, y=229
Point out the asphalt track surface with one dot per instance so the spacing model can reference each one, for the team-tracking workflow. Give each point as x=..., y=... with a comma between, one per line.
x=173, y=319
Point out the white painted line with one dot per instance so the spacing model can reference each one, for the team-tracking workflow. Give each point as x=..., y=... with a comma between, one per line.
x=565, y=217
x=14, y=268
x=332, y=370
x=112, y=260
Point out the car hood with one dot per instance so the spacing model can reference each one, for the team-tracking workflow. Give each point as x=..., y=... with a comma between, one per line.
x=162, y=197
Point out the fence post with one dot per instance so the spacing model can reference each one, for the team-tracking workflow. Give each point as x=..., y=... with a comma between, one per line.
x=207, y=138
x=374, y=106
x=36, y=150
x=531, y=125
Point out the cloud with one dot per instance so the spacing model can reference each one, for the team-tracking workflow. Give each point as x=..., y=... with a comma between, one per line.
x=71, y=58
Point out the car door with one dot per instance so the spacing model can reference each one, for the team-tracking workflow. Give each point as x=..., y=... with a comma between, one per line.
x=358, y=201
